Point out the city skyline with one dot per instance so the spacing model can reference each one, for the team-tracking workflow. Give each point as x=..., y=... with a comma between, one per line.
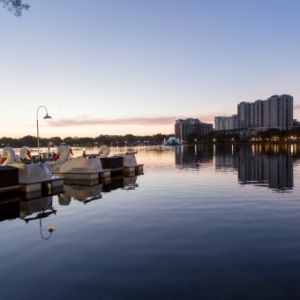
x=136, y=67
x=275, y=112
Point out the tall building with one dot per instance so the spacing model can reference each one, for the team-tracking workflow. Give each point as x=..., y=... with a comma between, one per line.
x=275, y=112
x=191, y=126
x=258, y=114
x=280, y=111
x=243, y=110
x=226, y=123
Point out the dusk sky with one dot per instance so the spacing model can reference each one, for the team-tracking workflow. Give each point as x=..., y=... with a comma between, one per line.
x=134, y=66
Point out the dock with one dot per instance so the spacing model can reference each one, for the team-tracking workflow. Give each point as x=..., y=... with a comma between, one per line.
x=12, y=184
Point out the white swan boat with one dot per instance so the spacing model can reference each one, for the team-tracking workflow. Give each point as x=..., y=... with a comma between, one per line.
x=125, y=164
x=32, y=177
x=130, y=164
x=80, y=169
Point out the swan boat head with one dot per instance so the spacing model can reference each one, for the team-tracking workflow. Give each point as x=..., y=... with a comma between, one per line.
x=64, y=162
x=25, y=154
x=8, y=156
x=28, y=173
x=64, y=153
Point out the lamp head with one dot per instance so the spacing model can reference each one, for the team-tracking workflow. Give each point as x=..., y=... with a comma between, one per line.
x=47, y=116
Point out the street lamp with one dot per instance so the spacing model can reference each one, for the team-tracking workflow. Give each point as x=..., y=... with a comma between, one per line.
x=37, y=124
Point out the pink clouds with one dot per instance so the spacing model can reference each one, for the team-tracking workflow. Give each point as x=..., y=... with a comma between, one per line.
x=152, y=121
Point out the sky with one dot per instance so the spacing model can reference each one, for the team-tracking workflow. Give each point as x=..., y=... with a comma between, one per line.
x=134, y=66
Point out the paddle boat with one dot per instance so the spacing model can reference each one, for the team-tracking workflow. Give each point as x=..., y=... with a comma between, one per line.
x=86, y=170
x=125, y=164
x=32, y=176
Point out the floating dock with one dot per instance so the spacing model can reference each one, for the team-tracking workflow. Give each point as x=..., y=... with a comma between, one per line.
x=12, y=184
x=89, y=178
x=123, y=164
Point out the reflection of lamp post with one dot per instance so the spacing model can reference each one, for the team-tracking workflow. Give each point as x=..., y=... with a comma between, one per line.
x=37, y=124
x=51, y=229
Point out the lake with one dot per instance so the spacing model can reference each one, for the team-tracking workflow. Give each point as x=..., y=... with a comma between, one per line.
x=203, y=222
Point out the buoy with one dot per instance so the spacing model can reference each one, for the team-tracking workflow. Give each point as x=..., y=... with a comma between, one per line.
x=51, y=229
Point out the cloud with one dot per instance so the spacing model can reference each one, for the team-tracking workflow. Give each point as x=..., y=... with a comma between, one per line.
x=118, y=121
x=149, y=121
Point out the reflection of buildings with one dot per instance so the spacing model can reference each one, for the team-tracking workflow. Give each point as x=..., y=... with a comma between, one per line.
x=269, y=165
x=193, y=156
x=226, y=157
x=274, y=170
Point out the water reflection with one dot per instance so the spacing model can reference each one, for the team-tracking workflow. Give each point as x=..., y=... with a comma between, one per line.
x=193, y=156
x=261, y=165
x=274, y=170
x=26, y=210
x=86, y=194
x=83, y=194
x=42, y=207
x=35, y=209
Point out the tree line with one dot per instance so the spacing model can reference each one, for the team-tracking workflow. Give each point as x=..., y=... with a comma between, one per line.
x=110, y=140
x=271, y=135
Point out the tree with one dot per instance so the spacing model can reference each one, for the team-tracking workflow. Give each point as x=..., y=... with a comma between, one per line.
x=28, y=140
x=15, y=6
x=56, y=140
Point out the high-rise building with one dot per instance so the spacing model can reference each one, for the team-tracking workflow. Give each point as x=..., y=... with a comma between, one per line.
x=226, y=123
x=244, y=115
x=275, y=112
x=191, y=126
x=258, y=116
x=280, y=112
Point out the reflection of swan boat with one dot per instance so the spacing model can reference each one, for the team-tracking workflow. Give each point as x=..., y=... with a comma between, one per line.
x=87, y=194
x=87, y=168
x=32, y=177
x=81, y=193
x=36, y=208
x=126, y=183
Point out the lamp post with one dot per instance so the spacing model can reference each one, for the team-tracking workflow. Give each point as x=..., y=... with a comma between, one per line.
x=37, y=124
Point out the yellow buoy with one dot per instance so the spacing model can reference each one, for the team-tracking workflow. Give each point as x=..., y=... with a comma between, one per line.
x=51, y=229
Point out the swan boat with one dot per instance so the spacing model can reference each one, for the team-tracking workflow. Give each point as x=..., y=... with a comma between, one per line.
x=32, y=177
x=86, y=170
x=130, y=164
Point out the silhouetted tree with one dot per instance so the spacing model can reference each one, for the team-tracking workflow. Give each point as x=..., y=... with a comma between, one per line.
x=55, y=140
x=28, y=140
x=6, y=141
x=15, y=6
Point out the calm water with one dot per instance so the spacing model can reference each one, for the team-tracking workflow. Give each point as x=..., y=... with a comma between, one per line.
x=202, y=223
